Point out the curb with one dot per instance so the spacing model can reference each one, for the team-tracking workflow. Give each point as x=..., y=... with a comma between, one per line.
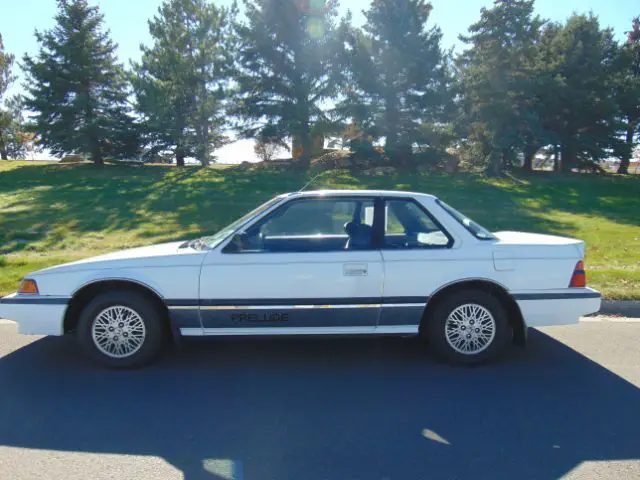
x=626, y=308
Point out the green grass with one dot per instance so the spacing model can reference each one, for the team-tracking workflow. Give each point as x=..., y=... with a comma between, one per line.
x=51, y=213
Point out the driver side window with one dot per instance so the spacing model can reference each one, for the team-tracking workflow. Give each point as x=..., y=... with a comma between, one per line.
x=312, y=225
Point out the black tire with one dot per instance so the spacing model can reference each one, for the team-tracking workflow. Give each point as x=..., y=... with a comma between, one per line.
x=153, y=339
x=436, y=327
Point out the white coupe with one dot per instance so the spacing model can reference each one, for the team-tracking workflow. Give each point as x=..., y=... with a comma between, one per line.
x=317, y=263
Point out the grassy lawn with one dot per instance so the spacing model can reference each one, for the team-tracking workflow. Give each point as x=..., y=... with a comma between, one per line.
x=52, y=213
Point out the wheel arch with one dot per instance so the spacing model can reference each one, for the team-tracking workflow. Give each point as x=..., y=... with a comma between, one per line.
x=514, y=315
x=83, y=295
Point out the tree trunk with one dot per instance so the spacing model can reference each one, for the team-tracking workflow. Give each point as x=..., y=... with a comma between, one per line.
x=623, y=169
x=496, y=166
x=529, y=154
x=304, y=160
x=556, y=158
x=96, y=155
x=204, y=147
x=304, y=128
x=504, y=161
x=567, y=156
x=391, y=120
x=391, y=142
x=180, y=157
x=3, y=150
x=203, y=151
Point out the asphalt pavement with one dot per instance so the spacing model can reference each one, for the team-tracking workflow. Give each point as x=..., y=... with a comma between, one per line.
x=567, y=406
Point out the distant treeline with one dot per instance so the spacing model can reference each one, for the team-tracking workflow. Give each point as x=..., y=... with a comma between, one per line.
x=294, y=71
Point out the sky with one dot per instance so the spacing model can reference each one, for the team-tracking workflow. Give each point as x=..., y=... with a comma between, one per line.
x=127, y=21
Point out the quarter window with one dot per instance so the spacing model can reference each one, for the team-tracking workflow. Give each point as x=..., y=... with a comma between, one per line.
x=472, y=227
x=408, y=225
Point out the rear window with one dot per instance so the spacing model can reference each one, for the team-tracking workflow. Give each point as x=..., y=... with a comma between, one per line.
x=474, y=228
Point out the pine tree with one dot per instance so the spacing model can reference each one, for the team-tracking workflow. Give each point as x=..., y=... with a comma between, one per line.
x=15, y=138
x=77, y=88
x=399, y=73
x=628, y=92
x=10, y=117
x=181, y=81
x=497, y=80
x=288, y=65
x=576, y=94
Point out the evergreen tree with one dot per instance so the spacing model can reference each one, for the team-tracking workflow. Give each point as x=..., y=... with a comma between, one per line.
x=576, y=95
x=399, y=74
x=288, y=65
x=628, y=92
x=15, y=139
x=77, y=89
x=498, y=81
x=181, y=81
x=12, y=139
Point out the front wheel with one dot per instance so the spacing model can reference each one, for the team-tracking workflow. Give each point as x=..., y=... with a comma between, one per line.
x=120, y=330
x=468, y=327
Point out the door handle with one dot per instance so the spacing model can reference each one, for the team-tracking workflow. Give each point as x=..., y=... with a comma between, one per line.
x=355, y=269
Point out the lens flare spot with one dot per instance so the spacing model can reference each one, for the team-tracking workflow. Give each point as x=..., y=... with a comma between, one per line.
x=315, y=27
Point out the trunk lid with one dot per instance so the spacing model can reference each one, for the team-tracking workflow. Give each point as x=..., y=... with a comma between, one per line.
x=552, y=254
x=537, y=242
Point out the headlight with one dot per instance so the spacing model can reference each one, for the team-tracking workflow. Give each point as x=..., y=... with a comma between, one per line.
x=28, y=286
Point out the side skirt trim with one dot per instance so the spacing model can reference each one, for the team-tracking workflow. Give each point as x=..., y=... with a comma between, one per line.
x=385, y=330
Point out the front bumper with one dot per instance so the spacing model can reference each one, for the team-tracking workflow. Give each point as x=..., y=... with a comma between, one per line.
x=565, y=306
x=35, y=314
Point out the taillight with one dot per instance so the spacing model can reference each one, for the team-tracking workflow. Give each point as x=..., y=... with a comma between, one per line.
x=579, y=277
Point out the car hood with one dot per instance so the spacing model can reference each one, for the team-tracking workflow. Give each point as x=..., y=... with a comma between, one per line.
x=164, y=254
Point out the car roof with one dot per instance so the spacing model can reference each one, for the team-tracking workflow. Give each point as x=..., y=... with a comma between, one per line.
x=351, y=193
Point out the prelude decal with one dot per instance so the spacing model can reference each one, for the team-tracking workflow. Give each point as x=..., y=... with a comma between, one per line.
x=275, y=317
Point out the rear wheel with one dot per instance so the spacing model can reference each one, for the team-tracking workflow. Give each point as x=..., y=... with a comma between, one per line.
x=120, y=330
x=468, y=327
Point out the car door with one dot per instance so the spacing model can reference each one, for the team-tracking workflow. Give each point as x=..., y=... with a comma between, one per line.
x=418, y=257
x=297, y=271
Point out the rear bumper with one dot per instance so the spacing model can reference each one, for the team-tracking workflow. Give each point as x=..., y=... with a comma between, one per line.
x=35, y=314
x=543, y=308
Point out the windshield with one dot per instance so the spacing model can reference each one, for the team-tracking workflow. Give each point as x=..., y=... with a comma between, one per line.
x=476, y=229
x=214, y=240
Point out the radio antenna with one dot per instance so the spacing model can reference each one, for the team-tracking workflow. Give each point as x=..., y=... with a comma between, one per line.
x=310, y=182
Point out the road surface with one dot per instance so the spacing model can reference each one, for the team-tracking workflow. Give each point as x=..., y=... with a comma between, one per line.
x=312, y=409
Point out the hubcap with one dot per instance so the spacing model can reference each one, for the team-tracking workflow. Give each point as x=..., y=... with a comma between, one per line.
x=118, y=331
x=470, y=329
